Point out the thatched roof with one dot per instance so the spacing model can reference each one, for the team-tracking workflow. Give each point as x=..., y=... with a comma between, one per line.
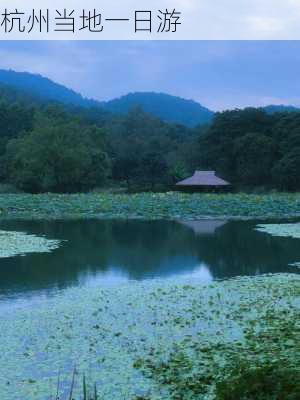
x=203, y=178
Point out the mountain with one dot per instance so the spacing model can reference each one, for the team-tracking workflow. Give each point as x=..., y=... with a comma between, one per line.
x=42, y=89
x=164, y=106
x=280, y=108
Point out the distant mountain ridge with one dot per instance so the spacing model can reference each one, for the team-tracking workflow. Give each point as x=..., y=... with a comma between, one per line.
x=271, y=109
x=42, y=88
x=164, y=106
x=171, y=109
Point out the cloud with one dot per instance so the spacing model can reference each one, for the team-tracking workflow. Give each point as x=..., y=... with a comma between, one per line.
x=219, y=74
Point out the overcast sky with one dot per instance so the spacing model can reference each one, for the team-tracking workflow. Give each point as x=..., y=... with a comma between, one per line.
x=218, y=74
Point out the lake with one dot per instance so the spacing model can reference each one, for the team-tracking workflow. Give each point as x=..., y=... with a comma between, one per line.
x=109, y=252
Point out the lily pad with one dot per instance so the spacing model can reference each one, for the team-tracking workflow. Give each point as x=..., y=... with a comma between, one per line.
x=19, y=243
x=127, y=338
x=171, y=205
x=282, y=230
x=296, y=264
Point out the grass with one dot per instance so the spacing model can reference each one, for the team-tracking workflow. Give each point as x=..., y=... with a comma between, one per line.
x=87, y=393
x=170, y=205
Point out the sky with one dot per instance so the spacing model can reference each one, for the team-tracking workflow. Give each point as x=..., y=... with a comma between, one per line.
x=218, y=74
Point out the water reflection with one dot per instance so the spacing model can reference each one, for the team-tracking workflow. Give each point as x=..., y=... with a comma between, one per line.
x=117, y=251
x=204, y=227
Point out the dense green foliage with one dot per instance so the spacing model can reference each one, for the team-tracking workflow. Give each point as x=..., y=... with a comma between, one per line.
x=14, y=120
x=146, y=151
x=37, y=162
x=59, y=154
x=252, y=148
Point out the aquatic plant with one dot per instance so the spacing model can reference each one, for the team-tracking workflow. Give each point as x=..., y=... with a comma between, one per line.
x=145, y=340
x=170, y=205
x=265, y=365
x=296, y=264
x=264, y=382
x=87, y=393
x=20, y=243
x=283, y=230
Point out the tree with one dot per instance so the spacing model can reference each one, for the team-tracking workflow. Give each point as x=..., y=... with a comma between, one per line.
x=217, y=146
x=177, y=172
x=58, y=157
x=249, y=147
x=152, y=170
x=14, y=120
x=286, y=172
x=125, y=167
x=254, y=155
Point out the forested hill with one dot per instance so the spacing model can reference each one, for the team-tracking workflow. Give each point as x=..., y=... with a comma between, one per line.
x=43, y=89
x=280, y=108
x=166, y=107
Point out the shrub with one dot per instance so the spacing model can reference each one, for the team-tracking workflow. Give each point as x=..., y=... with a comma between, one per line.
x=266, y=382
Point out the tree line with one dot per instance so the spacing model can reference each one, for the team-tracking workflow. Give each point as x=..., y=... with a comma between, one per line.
x=252, y=148
x=59, y=148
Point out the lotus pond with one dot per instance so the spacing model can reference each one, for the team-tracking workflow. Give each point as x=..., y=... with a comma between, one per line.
x=171, y=205
x=144, y=307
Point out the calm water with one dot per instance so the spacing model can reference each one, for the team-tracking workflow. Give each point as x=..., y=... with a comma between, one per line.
x=107, y=252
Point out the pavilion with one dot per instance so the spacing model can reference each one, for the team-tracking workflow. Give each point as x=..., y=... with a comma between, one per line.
x=203, y=180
